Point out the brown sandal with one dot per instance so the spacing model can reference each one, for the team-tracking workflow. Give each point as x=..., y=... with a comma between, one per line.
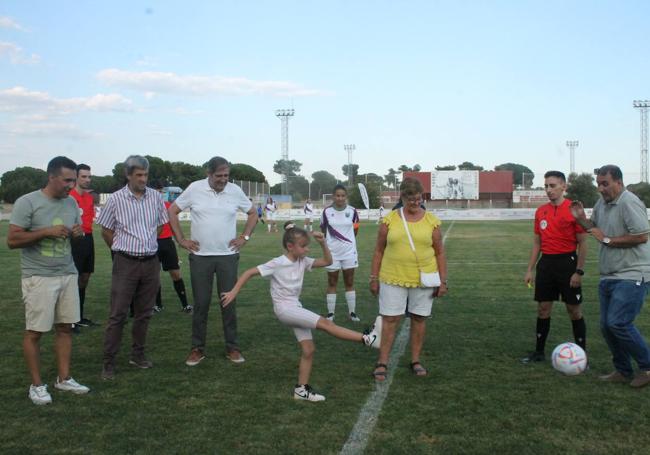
x=380, y=376
x=417, y=369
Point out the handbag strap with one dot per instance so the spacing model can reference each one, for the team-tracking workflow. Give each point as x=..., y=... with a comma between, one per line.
x=406, y=228
x=408, y=234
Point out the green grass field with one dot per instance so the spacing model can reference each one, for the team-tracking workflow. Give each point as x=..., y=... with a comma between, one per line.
x=478, y=398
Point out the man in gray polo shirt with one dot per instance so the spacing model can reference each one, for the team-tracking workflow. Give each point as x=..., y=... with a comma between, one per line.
x=42, y=224
x=619, y=221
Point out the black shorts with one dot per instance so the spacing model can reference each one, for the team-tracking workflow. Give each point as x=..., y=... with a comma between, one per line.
x=553, y=278
x=83, y=254
x=167, y=254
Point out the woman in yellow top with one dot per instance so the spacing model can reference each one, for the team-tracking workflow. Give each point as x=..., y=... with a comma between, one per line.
x=395, y=273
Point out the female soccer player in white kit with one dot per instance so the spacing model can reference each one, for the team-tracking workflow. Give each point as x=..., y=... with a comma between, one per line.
x=339, y=223
x=286, y=273
x=270, y=208
x=308, y=209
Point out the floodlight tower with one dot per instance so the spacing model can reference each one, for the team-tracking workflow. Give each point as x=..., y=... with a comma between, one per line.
x=349, y=148
x=572, y=152
x=284, y=115
x=643, y=107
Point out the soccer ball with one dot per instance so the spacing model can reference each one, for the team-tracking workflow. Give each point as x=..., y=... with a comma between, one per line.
x=569, y=358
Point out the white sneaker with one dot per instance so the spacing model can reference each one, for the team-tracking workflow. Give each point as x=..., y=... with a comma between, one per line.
x=305, y=392
x=330, y=316
x=39, y=394
x=70, y=385
x=354, y=317
x=372, y=337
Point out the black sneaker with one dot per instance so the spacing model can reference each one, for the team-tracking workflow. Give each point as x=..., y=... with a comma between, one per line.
x=157, y=309
x=533, y=357
x=354, y=317
x=85, y=323
x=187, y=309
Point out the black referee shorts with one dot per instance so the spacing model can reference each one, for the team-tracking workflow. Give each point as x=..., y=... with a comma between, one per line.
x=167, y=254
x=83, y=253
x=553, y=277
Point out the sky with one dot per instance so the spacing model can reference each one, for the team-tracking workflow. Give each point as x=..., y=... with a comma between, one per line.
x=411, y=82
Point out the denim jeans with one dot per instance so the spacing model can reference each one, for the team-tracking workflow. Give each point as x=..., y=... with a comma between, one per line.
x=620, y=303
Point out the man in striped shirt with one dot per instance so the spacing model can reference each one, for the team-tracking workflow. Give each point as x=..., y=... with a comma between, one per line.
x=131, y=221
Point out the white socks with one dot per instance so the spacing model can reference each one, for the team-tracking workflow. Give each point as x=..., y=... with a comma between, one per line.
x=351, y=298
x=331, y=303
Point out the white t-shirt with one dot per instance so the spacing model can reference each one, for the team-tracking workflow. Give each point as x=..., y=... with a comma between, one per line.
x=338, y=226
x=214, y=215
x=309, y=210
x=286, y=279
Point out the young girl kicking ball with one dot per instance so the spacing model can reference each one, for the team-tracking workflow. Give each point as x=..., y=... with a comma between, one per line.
x=286, y=273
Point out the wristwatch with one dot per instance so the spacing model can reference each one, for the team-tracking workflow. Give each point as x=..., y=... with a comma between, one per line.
x=580, y=272
x=607, y=240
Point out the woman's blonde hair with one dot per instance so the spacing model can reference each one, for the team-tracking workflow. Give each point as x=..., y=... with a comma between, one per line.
x=410, y=186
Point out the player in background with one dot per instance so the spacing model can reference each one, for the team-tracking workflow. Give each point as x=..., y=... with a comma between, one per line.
x=270, y=209
x=286, y=273
x=559, y=270
x=382, y=212
x=308, y=210
x=260, y=214
x=83, y=248
x=168, y=257
x=340, y=223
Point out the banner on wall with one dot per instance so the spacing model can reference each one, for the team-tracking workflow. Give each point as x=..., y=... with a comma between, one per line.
x=454, y=185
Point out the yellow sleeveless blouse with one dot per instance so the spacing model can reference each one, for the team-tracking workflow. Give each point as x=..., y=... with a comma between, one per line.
x=399, y=265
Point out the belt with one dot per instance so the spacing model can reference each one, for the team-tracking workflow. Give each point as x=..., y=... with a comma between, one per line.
x=559, y=255
x=137, y=257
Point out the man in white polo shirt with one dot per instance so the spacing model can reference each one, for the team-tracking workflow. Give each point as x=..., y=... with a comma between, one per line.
x=214, y=249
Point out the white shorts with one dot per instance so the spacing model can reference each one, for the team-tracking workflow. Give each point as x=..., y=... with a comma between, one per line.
x=50, y=300
x=270, y=216
x=299, y=319
x=346, y=263
x=309, y=218
x=393, y=300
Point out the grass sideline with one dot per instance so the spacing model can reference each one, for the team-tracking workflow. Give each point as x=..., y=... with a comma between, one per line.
x=477, y=399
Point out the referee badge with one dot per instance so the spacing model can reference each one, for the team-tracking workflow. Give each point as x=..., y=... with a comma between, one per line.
x=543, y=224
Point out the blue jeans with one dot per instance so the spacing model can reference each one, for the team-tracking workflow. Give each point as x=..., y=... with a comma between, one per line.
x=620, y=303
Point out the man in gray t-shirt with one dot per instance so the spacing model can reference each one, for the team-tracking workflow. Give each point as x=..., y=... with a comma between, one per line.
x=619, y=221
x=42, y=223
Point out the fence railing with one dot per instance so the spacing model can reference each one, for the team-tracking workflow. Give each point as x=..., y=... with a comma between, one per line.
x=253, y=189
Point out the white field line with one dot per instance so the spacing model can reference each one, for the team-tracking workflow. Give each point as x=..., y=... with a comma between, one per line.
x=365, y=424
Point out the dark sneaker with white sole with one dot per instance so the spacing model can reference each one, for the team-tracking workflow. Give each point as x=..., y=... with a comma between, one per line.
x=533, y=357
x=141, y=363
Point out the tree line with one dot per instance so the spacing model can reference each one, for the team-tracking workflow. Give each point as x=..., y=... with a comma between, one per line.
x=25, y=179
